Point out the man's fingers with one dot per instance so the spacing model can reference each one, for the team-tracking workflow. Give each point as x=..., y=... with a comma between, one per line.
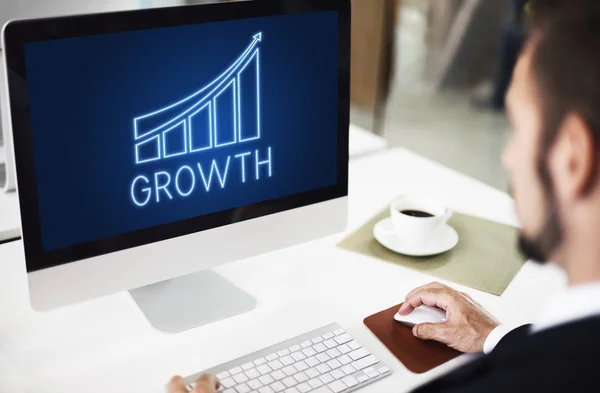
x=431, y=285
x=431, y=331
x=206, y=384
x=439, y=298
x=176, y=385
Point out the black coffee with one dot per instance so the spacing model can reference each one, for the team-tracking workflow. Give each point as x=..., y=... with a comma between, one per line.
x=416, y=213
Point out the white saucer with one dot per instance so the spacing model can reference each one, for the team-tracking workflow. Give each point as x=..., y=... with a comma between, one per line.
x=445, y=239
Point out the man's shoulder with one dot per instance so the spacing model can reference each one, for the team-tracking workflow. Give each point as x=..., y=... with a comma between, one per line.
x=580, y=337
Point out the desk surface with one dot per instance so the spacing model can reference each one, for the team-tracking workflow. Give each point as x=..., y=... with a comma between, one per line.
x=364, y=143
x=10, y=219
x=107, y=346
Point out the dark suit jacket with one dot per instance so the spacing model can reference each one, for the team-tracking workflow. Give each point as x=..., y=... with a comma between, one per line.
x=561, y=359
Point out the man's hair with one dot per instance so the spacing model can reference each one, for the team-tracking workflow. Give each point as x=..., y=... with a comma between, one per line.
x=565, y=63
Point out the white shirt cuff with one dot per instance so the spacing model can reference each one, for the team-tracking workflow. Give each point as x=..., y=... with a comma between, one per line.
x=495, y=336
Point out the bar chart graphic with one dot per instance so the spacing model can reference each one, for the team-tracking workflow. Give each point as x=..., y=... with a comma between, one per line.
x=224, y=112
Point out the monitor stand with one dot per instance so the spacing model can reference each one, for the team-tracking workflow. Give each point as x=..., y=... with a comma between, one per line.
x=190, y=301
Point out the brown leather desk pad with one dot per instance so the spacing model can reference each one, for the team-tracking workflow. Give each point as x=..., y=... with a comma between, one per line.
x=417, y=355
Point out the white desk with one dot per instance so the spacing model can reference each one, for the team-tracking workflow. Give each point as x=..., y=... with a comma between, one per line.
x=364, y=143
x=107, y=346
x=10, y=218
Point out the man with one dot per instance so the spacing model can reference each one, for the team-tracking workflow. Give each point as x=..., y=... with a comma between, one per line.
x=554, y=161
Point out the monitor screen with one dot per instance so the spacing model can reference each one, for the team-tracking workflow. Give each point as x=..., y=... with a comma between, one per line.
x=137, y=129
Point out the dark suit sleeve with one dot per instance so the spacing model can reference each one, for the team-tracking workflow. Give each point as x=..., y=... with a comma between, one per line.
x=513, y=336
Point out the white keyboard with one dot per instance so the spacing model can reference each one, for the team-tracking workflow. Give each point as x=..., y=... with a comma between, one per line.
x=326, y=360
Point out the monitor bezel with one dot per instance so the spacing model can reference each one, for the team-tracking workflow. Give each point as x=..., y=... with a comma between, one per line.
x=18, y=33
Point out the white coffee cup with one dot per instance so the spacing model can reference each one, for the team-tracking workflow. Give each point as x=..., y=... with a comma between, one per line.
x=417, y=229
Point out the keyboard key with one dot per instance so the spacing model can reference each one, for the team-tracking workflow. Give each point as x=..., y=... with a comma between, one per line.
x=308, y=352
x=337, y=386
x=343, y=338
x=323, y=357
x=243, y=388
x=264, y=369
x=348, y=369
x=338, y=374
x=289, y=382
x=275, y=364
x=278, y=375
x=327, y=336
x=306, y=344
x=315, y=383
x=330, y=344
x=266, y=389
x=223, y=375
x=272, y=357
x=304, y=387
x=278, y=387
x=289, y=370
x=365, y=362
x=344, y=349
x=292, y=390
x=287, y=360
x=284, y=352
x=374, y=374
x=235, y=370
x=256, y=384
x=301, y=365
x=298, y=356
x=312, y=361
x=260, y=361
x=228, y=382
x=266, y=379
x=230, y=390
x=344, y=359
x=354, y=345
x=362, y=378
x=252, y=374
x=317, y=340
x=333, y=353
x=319, y=348
x=240, y=378
x=312, y=373
x=350, y=381
x=326, y=378
x=301, y=377
x=338, y=332
x=334, y=364
x=323, y=368
x=384, y=370
x=295, y=348
x=369, y=370
x=359, y=354
x=247, y=366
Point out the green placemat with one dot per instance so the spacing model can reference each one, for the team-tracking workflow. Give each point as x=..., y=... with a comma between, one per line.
x=485, y=258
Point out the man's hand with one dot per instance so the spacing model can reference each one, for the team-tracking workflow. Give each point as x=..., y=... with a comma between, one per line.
x=204, y=384
x=467, y=323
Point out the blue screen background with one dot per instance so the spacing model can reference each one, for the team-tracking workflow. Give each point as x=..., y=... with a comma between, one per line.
x=84, y=93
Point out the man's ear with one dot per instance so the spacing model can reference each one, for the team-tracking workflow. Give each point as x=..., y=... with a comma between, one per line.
x=573, y=159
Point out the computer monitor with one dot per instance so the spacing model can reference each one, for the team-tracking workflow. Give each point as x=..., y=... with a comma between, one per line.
x=154, y=144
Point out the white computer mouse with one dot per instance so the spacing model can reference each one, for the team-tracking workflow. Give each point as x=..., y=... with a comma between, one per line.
x=422, y=314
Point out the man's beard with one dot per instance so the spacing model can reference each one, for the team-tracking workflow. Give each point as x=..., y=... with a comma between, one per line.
x=541, y=248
